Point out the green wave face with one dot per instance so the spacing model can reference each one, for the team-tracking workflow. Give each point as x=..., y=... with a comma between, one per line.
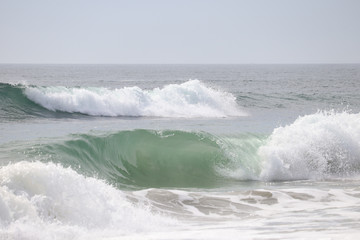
x=144, y=158
x=14, y=105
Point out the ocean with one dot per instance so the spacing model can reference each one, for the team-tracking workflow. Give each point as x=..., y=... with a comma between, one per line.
x=180, y=151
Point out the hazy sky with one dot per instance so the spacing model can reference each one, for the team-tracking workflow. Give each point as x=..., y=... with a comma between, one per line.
x=179, y=31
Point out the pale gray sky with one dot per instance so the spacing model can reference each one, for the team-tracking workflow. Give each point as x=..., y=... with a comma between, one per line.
x=179, y=31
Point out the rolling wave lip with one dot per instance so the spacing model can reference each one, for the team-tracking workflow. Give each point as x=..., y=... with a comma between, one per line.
x=191, y=99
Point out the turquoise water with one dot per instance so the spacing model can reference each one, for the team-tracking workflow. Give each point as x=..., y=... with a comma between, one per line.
x=179, y=151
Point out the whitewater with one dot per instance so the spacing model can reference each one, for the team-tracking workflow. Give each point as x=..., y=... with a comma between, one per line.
x=189, y=99
x=244, y=152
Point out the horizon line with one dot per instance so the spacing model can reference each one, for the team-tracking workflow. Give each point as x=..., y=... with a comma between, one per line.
x=300, y=63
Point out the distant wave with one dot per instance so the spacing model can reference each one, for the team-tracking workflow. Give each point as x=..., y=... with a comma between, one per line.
x=189, y=99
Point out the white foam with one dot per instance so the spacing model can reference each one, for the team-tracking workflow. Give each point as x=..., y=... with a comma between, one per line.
x=189, y=99
x=321, y=145
x=274, y=212
x=47, y=201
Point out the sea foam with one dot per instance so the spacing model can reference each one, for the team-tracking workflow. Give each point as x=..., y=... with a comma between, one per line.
x=189, y=99
x=320, y=145
x=47, y=201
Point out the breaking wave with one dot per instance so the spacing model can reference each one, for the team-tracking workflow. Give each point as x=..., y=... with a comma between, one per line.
x=318, y=146
x=47, y=201
x=189, y=99
x=80, y=187
x=321, y=145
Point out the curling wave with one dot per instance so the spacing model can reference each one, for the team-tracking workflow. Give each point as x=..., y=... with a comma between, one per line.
x=317, y=146
x=144, y=158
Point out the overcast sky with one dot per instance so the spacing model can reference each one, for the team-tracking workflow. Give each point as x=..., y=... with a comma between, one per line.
x=180, y=31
